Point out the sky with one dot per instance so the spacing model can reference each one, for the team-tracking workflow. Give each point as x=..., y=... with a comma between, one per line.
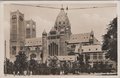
x=82, y=20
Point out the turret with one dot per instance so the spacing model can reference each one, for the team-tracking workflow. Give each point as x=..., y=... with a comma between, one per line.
x=92, y=33
x=44, y=46
x=53, y=31
x=91, y=37
x=44, y=33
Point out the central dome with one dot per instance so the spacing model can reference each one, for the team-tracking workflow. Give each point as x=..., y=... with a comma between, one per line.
x=62, y=20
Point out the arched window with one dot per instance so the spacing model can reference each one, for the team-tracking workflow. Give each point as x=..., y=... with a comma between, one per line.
x=53, y=49
x=41, y=55
x=34, y=26
x=20, y=18
x=13, y=50
x=89, y=49
x=63, y=22
x=14, y=17
x=28, y=25
x=59, y=22
x=33, y=56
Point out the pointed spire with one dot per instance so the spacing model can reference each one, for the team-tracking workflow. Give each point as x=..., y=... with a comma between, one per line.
x=17, y=11
x=44, y=32
x=92, y=32
x=53, y=29
x=62, y=7
x=67, y=8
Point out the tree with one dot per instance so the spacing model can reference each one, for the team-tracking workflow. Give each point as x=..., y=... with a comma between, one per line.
x=33, y=66
x=8, y=67
x=54, y=65
x=110, y=41
x=65, y=67
x=80, y=59
x=20, y=63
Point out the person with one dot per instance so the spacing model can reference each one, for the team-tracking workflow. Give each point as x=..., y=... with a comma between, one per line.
x=25, y=72
x=18, y=73
x=30, y=72
x=14, y=73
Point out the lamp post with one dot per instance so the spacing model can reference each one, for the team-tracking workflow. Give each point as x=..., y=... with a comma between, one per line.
x=5, y=68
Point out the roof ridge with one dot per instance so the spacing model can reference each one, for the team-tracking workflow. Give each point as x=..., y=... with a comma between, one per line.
x=34, y=38
x=81, y=33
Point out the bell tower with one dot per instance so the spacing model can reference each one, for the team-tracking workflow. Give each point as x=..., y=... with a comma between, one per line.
x=30, y=29
x=17, y=33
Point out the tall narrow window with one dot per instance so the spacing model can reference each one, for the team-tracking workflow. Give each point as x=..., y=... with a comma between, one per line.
x=49, y=50
x=100, y=56
x=63, y=22
x=95, y=56
x=59, y=22
x=53, y=49
x=13, y=50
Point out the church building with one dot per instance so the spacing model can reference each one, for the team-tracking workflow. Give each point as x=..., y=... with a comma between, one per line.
x=59, y=42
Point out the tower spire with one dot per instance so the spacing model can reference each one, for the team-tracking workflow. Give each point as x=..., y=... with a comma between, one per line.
x=44, y=32
x=62, y=7
x=66, y=10
x=92, y=32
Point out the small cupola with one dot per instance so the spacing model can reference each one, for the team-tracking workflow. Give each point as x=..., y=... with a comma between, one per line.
x=44, y=33
x=53, y=31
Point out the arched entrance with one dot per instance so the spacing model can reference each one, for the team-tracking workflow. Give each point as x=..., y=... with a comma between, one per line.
x=32, y=56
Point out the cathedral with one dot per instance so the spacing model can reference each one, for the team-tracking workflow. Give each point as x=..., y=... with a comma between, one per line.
x=59, y=42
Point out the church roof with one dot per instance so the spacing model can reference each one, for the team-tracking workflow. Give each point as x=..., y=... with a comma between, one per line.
x=77, y=38
x=44, y=32
x=96, y=41
x=53, y=29
x=62, y=17
x=33, y=41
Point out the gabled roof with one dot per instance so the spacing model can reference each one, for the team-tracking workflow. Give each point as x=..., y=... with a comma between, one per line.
x=77, y=38
x=96, y=41
x=44, y=32
x=33, y=41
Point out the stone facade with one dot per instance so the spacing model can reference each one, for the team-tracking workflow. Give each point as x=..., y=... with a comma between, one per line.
x=94, y=54
x=30, y=30
x=59, y=41
x=54, y=42
x=33, y=48
x=17, y=33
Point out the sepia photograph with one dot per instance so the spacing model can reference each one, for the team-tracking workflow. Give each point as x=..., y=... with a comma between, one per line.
x=60, y=39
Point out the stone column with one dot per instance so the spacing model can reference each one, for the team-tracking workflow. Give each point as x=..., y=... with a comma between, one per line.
x=84, y=58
